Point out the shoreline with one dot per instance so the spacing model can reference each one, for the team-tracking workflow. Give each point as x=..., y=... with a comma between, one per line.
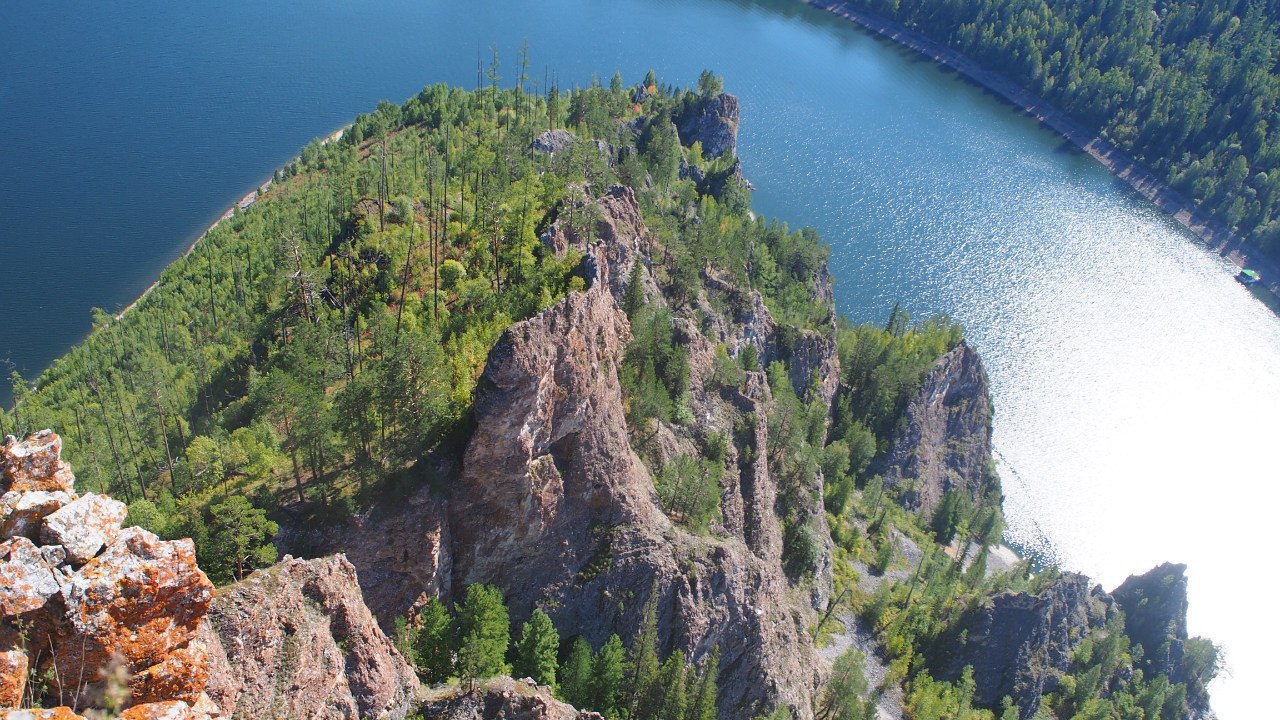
x=1216, y=237
x=241, y=205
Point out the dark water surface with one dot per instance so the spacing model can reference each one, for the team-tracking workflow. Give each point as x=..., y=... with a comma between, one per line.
x=1136, y=384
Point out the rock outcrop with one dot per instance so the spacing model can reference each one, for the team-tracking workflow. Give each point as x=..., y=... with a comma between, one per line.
x=553, y=141
x=94, y=596
x=945, y=443
x=1019, y=644
x=296, y=640
x=504, y=698
x=1155, y=609
x=555, y=508
x=714, y=123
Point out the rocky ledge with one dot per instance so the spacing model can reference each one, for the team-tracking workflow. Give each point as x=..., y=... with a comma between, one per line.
x=86, y=604
x=296, y=640
x=504, y=699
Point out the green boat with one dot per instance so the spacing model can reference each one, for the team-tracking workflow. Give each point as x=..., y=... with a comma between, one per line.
x=1249, y=277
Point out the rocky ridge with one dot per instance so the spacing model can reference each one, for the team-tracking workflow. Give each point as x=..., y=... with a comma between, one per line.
x=79, y=594
x=554, y=506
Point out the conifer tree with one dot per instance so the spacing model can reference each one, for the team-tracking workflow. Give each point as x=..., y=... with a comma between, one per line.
x=643, y=661
x=537, y=649
x=669, y=690
x=702, y=700
x=485, y=628
x=607, y=672
x=435, y=642
x=575, y=675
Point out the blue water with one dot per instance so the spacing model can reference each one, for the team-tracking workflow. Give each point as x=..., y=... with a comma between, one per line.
x=1135, y=382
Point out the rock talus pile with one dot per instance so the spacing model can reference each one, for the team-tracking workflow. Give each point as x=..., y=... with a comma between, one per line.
x=81, y=597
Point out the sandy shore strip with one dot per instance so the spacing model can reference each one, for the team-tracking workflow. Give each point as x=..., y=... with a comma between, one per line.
x=243, y=204
x=1219, y=238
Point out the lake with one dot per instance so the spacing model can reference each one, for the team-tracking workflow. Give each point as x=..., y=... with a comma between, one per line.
x=1136, y=383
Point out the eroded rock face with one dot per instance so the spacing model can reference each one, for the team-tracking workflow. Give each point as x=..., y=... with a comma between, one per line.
x=1019, y=644
x=1155, y=609
x=137, y=603
x=297, y=640
x=714, y=123
x=554, y=507
x=945, y=443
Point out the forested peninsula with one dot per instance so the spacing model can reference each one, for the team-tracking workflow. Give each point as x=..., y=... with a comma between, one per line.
x=504, y=404
x=1188, y=90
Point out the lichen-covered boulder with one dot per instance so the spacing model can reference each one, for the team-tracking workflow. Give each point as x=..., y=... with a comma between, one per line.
x=34, y=464
x=141, y=599
x=26, y=581
x=83, y=526
x=181, y=675
x=21, y=512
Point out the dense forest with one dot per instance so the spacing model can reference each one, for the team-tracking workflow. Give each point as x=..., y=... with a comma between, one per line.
x=315, y=351
x=1188, y=88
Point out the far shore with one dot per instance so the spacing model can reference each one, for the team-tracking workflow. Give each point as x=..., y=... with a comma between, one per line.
x=242, y=204
x=1217, y=237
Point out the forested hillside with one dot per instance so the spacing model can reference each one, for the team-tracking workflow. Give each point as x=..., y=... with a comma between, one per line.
x=1188, y=88
x=328, y=337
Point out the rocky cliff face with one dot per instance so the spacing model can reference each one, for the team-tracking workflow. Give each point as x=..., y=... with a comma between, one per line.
x=554, y=507
x=1019, y=644
x=945, y=443
x=80, y=596
x=297, y=641
x=1155, y=609
x=714, y=123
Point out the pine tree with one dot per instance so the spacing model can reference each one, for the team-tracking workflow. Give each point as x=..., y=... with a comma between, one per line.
x=670, y=689
x=575, y=676
x=633, y=298
x=485, y=628
x=607, y=672
x=537, y=649
x=702, y=701
x=643, y=661
x=435, y=642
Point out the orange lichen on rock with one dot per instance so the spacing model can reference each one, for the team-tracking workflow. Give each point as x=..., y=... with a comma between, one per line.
x=13, y=677
x=170, y=710
x=136, y=604
x=26, y=582
x=34, y=464
x=182, y=675
x=58, y=713
x=141, y=598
